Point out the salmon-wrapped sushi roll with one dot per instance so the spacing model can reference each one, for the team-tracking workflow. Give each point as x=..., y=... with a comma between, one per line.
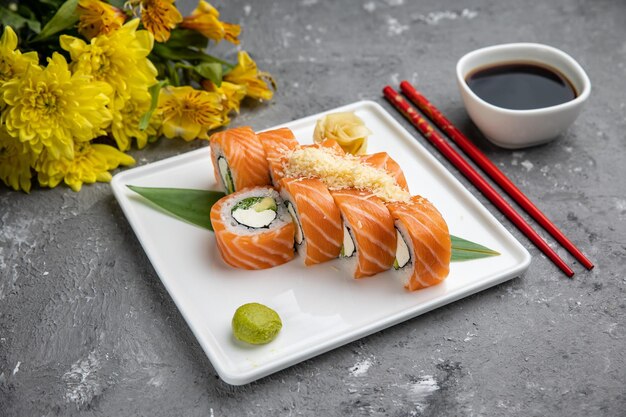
x=276, y=144
x=383, y=161
x=424, y=248
x=238, y=159
x=319, y=231
x=369, y=240
x=253, y=229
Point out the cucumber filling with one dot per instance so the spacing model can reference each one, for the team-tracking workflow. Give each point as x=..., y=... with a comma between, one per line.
x=255, y=212
x=296, y=222
x=348, y=248
x=403, y=256
x=227, y=177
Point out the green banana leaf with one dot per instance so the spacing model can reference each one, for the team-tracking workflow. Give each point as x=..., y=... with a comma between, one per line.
x=194, y=206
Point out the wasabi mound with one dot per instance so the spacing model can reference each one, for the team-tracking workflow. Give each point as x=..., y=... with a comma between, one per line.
x=256, y=324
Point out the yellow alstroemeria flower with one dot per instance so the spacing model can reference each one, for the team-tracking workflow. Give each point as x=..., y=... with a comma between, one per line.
x=246, y=73
x=51, y=107
x=205, y=19
x=119, y=58
x=15, y=162
x=231, y=94
x=160, y=17
x=97, y=17
x=12, y=61
x=91, y=163
x=127, y=113
x=189, y=113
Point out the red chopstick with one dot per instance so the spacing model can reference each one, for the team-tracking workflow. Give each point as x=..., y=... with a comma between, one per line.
x=479, y=182
x=496, y=175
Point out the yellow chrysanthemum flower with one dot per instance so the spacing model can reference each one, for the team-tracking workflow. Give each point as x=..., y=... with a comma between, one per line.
x=51, y=107
x=12, y=61
x=15, y=162
x=119, y=58
x=189, y=113
x=127, y=113
x=97, y=17
x=247, y=74
x=231, y=94
x=205, y=19
x=160, y=17
x=91, y=163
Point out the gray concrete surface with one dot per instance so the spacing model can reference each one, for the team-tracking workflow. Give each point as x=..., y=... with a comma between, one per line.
x=86, y=328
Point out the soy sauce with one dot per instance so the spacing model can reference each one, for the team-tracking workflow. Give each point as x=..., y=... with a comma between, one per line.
x=521, y=86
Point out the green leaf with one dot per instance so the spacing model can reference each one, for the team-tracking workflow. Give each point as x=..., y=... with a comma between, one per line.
x=117, y=3
x=184, y=38
x=16, y=21
x=188, y=54
x=63, y=19
x=154, y=91
x=52, y=3
x=211, y=71
x=464, y=250
x=175, y=54
x=192, y=206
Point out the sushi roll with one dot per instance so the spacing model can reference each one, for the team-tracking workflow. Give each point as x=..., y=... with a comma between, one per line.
x=253, y=229
x=382, y=160
x=424, y=247
x=238, y=159
x=319, y=231
x=276, y=144
x=369, y=238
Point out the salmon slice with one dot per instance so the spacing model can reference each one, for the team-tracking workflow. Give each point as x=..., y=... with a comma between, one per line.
x=426, y=234
x=244, y=155
x=372, y=230
x=248, y=248
x=382, y=160
x=318, y=217
x=276, y=143
x=328, y=144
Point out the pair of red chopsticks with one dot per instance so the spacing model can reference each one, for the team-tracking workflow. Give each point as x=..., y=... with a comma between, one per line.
x=476, y=179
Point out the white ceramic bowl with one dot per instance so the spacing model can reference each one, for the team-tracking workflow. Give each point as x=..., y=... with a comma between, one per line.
x=515, y=129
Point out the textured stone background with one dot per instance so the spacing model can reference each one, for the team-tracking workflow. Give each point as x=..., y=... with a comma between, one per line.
x=86, y=328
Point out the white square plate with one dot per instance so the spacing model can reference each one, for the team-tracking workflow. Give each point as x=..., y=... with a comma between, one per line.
x=321, y=308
